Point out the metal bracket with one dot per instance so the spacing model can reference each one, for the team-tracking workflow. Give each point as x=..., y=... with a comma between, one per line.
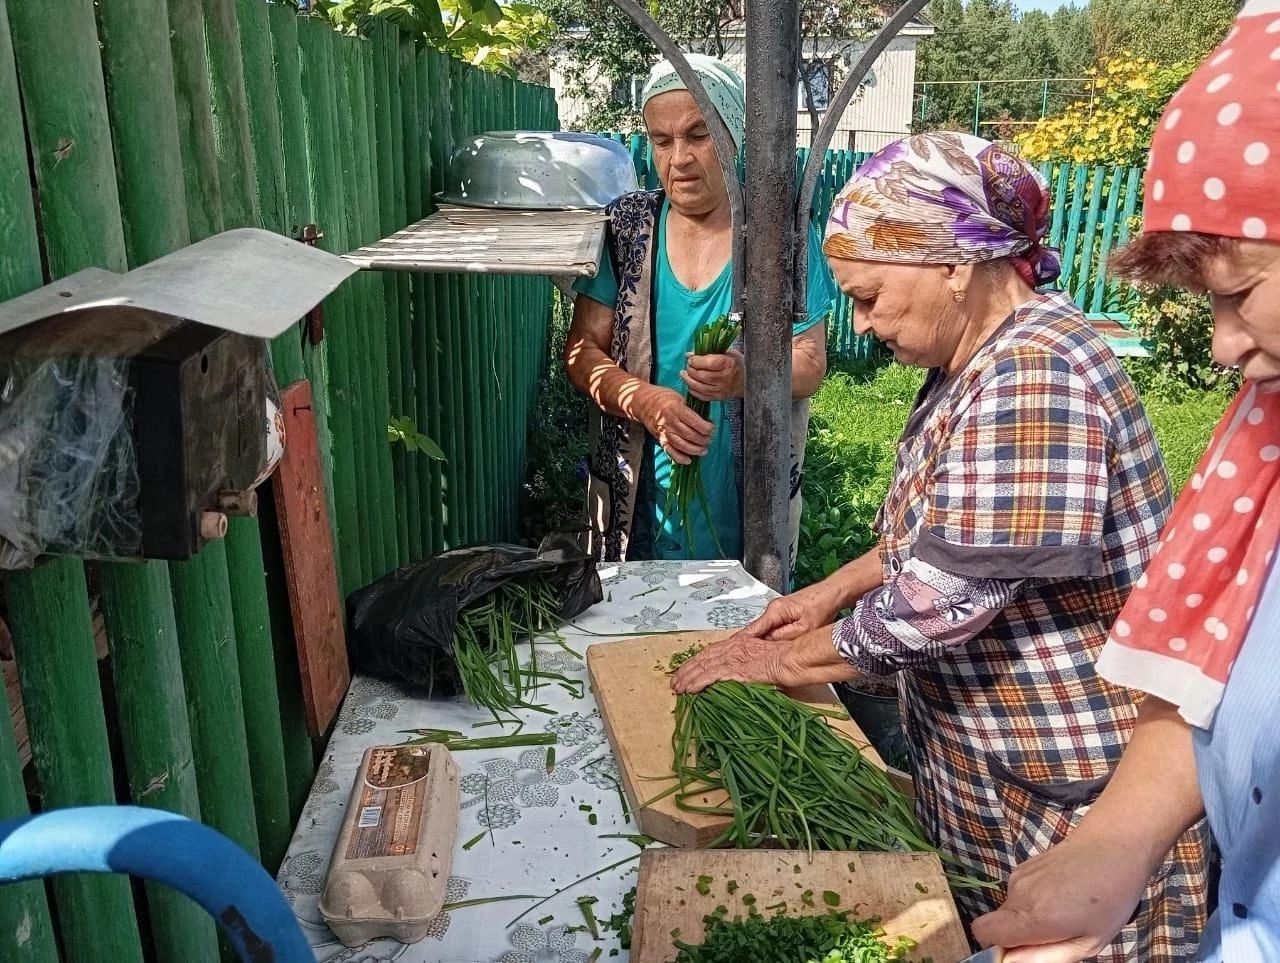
x=314, y=318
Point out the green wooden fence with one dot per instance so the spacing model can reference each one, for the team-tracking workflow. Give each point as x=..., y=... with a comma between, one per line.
x=1094, y=208
x=130, y=128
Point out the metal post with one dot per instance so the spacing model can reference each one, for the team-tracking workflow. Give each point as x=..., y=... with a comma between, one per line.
x=773, y=47
x=1044, y=100
x=977, y=110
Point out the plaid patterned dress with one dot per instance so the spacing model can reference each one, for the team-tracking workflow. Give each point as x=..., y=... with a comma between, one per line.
x=1036, y=463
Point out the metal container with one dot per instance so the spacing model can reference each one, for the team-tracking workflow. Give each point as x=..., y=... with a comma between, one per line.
x=538, y=171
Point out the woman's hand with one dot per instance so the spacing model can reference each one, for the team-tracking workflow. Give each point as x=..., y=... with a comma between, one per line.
x=682, y=433
x=791, y=616
x=1068, y=903
x=715, y=377
x=742, y=658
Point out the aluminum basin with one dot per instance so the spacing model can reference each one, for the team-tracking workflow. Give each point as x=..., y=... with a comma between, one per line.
x=538, y=171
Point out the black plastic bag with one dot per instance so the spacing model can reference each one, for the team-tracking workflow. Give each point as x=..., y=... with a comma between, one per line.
x=401, y=627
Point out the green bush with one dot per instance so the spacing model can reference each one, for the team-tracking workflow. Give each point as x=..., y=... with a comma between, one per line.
x=1184, y=419
x=858, y=417
x=554, y=493
x=855, y=421
x=1179, y=325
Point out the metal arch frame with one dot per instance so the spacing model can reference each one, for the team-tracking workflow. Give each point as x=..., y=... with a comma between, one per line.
x=726, y=149
x=827, y=129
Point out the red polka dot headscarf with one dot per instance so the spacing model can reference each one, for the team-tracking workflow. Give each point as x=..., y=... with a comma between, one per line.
x=1215, y=160
x=1215, y=155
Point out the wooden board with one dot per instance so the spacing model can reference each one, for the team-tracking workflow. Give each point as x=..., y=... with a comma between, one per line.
x=307, y=544
x=17, y=717
x=907, y=891
x=633, y=691
x=13, y=688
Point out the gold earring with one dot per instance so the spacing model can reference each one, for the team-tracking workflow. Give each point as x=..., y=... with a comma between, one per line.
x=958, y=297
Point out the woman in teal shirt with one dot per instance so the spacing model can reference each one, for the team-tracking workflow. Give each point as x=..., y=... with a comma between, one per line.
x=628, y=347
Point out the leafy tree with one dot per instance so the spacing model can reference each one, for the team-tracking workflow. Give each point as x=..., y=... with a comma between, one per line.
x=1166, y=31
x=602, y=50
x=484, y=33
x=1072, y=39
x=973, y=41
x=1116, y=127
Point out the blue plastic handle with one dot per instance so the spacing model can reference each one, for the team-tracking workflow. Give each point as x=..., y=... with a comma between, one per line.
x=193, y=859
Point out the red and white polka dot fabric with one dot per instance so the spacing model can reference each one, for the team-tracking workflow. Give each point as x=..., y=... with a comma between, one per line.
x=1215, y=155
x=1186, y=619
x=1214, y=167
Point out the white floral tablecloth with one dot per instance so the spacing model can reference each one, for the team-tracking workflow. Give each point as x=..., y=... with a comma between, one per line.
x=538, y=827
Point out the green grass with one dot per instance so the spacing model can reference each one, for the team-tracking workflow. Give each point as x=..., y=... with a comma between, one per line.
x=856, y=420
x=1183, y=429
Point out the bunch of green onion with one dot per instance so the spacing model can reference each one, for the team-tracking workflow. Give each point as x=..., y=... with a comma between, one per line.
x=792, y=781
x=485, y=642
x=714, y=337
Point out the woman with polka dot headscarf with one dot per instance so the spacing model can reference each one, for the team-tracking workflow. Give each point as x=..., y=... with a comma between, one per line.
x=1200, y=633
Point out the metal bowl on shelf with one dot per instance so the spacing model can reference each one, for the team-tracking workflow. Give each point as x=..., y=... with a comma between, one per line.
x=538, y=171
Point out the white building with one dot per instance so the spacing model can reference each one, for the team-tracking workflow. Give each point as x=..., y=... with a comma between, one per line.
x=881, y=111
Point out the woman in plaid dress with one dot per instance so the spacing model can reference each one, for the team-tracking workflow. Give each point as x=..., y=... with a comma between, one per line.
x=1028, y=495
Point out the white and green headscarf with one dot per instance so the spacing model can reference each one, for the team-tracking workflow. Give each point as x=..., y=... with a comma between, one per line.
x=724, y=86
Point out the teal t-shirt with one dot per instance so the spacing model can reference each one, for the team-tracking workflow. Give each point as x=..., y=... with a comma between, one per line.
x=679, y=312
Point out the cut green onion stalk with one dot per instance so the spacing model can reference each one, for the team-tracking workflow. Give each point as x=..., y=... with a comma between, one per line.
x=485, y=644
x=792, y=780
x=714, y=337
x=834, y=938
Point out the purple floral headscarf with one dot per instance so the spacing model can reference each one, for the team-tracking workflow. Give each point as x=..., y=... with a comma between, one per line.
x=945, y=199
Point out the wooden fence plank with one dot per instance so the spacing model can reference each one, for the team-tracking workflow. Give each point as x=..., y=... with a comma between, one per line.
x=58, y=668
x=60, y=75
x=210, y=670
x=420, y=342
x=382, y=297
x=138, y=67
x=317, y=83
x=156, y=735
x=1071, y=229
x=230, y=114
x=462, y=501
x=261, y=684
x=355, y=197
x=415, y=527
x=195, y=108
x=1107, y=241
x=26, y=931
x=259, y=701
x=137, y=600
x=1084, y=275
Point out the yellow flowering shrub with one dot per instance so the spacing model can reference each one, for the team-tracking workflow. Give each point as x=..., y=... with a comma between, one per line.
x=1114, y=127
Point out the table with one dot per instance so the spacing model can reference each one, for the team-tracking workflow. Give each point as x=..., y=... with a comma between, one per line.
x=536, y=831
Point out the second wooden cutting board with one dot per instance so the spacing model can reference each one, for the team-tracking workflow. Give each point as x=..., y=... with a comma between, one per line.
x=906, y=892
x=633, y=690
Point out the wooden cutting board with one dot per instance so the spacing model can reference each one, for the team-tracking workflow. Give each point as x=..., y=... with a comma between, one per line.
x=633, y=691
x=907, y=891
